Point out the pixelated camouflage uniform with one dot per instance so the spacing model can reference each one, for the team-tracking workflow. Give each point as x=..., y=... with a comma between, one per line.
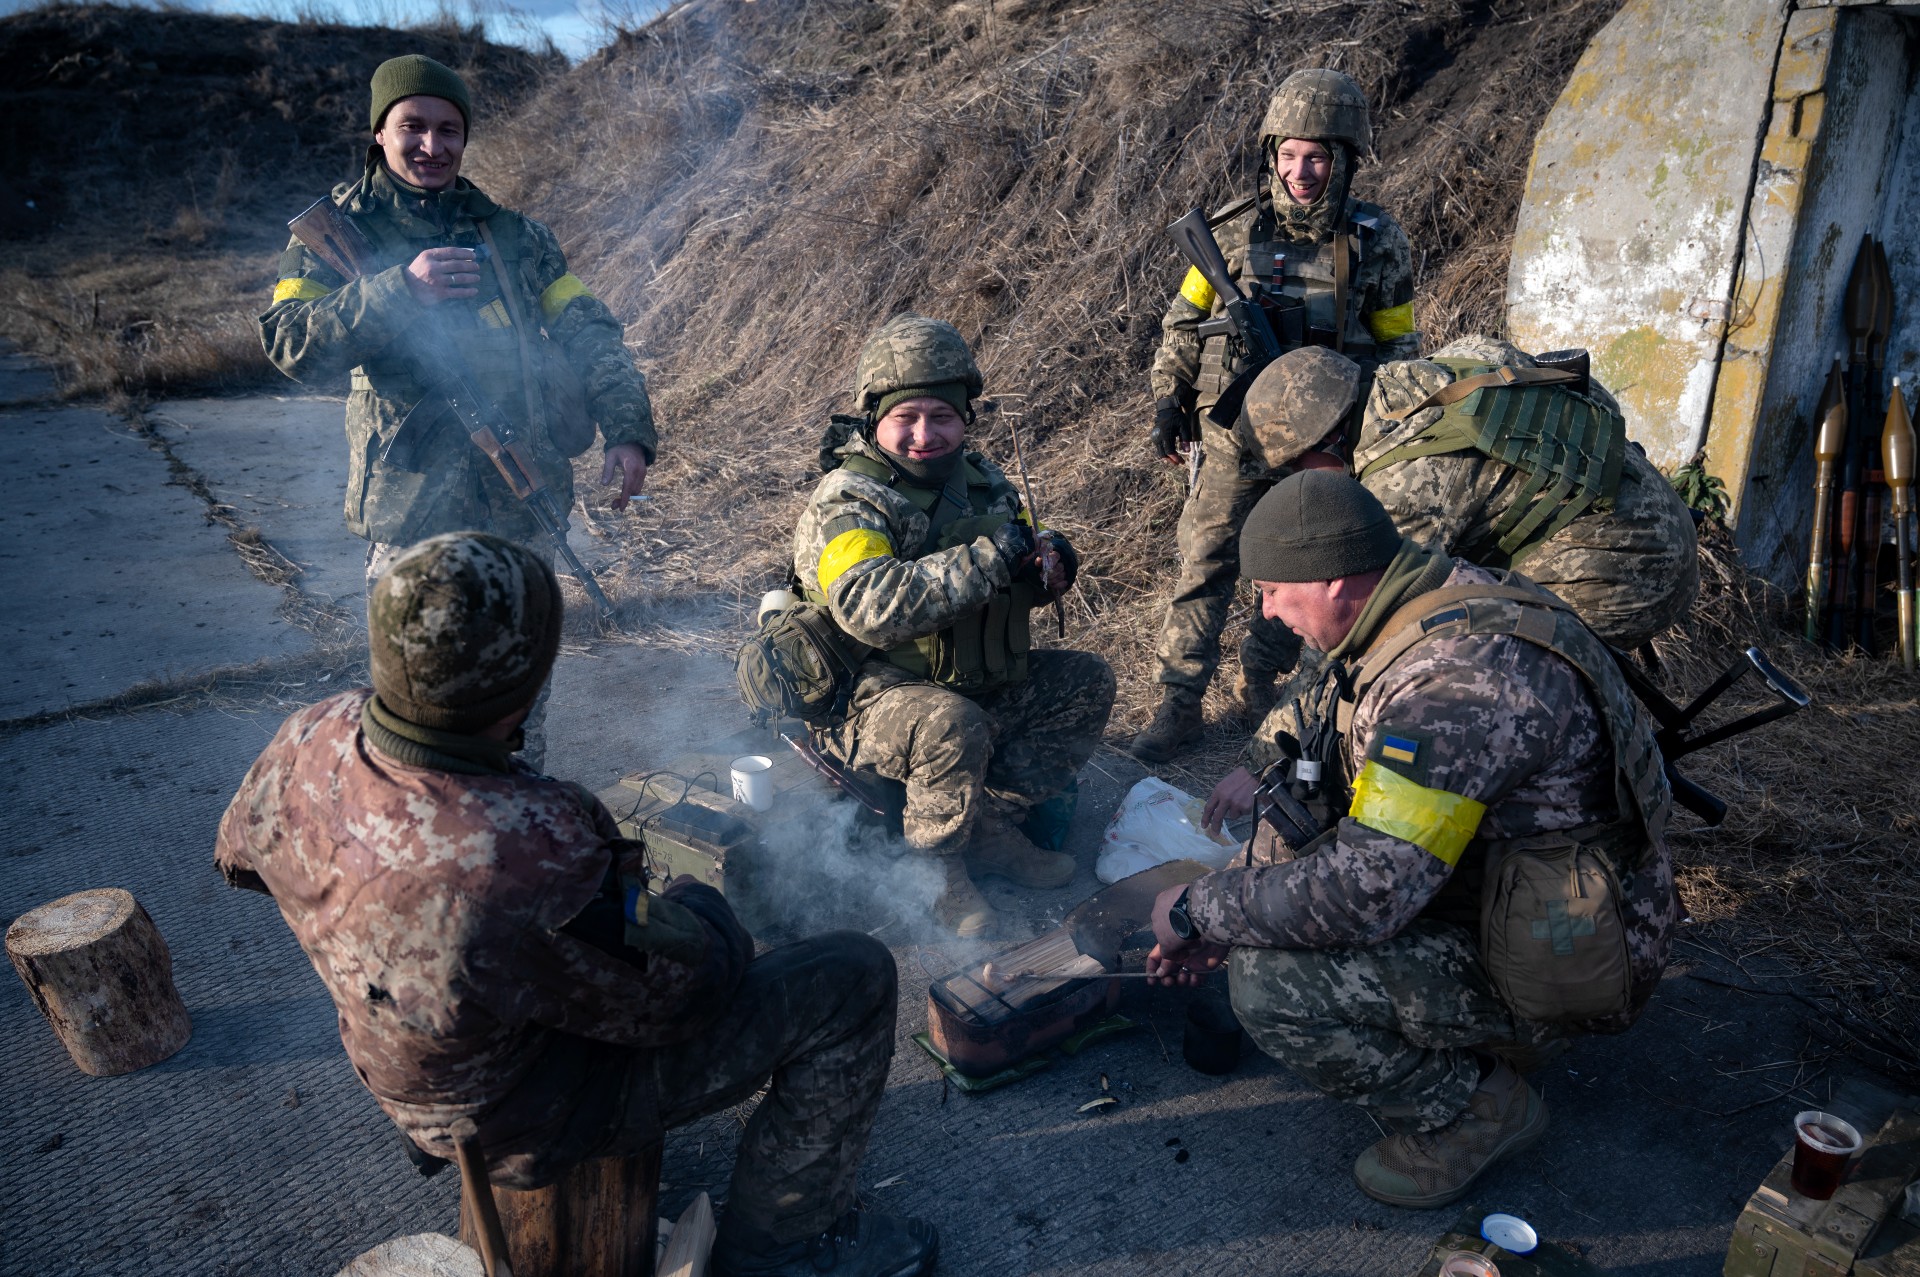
x=1629, y=565
x=1357, y=963
x=1379, y=327
x=860, y=549
x=506, y=984
x=320, y=326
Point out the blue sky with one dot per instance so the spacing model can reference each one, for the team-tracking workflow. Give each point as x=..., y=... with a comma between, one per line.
x=576, y=26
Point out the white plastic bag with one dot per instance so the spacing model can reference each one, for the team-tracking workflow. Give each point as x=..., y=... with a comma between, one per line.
x=1157, y=823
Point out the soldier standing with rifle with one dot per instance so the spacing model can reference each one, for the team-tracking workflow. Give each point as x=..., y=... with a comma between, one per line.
x=480, y=364
x=1326, y=270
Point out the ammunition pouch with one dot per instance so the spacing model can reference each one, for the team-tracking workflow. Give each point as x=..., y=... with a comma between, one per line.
x=985, y=650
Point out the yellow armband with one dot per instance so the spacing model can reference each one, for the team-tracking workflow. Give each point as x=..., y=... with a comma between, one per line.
x=1433, y=820
x=299, y=288
x=1392, y=323
x=856, y=545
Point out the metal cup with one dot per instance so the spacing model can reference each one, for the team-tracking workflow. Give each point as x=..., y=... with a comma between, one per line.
x=753, y=781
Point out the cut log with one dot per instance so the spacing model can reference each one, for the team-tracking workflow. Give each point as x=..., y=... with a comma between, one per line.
x=422, y=1255
x=596, y=1220
x=101, y=975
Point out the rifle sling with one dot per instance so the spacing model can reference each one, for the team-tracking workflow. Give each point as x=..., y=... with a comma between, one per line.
x=528, y=389
x=1342, y=282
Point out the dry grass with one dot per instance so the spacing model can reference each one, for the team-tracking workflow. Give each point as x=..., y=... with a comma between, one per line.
x=757, y=187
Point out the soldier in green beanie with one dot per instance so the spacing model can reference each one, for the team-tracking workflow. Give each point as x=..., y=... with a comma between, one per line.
x=547, y=353
x=497, y=952
x=1491, y=877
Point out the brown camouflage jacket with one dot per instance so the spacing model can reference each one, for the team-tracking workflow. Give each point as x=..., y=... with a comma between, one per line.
x=320, y=326
x=432, y=905
x=1629, y=566
x=1494, y=719
x=855, y=546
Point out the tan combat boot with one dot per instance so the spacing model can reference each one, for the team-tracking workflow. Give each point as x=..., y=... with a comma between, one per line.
x=1176, y=724
x=960, y=908
x=1253, y=696
x=1503, y=1116
x=999, y=847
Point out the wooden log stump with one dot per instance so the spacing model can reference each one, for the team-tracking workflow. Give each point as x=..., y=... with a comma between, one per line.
x=101, y=975
x=422, y=1255
x=596, y=1220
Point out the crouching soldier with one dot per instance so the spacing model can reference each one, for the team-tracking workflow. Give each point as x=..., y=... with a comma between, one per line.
x=920, y=550
x=1493, y=876
x=1508, y=463
x=494, y=954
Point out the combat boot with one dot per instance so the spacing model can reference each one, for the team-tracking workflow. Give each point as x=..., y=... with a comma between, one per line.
x=858, y=1244
x=1176, y=724
x=1254, y=695
x=1425, y=1169
x=960, y=908
x=999, y=847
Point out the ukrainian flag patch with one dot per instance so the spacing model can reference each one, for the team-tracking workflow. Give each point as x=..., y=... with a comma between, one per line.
x=1399, y=749
x=1407, y=754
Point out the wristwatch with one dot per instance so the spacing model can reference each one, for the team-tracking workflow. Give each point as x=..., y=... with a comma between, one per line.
x=1177, y=917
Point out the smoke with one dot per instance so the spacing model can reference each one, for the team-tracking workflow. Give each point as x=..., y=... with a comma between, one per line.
x=833, y=868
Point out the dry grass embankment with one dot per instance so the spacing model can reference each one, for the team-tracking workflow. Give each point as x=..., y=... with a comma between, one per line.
x=757, y=186
x=151, y=161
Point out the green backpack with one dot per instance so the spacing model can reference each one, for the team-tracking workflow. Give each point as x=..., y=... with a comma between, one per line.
x=799, y=665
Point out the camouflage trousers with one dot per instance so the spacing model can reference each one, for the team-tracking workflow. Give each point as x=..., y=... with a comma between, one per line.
x=533, y=732
x=1209, y=542
x=1019, y=745
x=1390, y=1027
x=813, y=1023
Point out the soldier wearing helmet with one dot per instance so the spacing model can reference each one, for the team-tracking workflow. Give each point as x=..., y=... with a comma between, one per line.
x=919, y=548
x=1330, y=271
x=1500, y=458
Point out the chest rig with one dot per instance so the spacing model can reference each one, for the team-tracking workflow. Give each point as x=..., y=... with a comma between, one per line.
x=987, y=649
x=1566, y=448
x=1310, y=292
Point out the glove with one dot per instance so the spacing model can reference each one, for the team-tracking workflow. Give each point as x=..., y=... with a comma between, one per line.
x=1069, y=563
x=1170, y=427
x=1013, y=540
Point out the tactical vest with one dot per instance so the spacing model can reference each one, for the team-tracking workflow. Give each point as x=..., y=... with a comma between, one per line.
x=1306, y=295
x=1550, y=909
x=1567, y=447
x=480, y=331
x=987, y=649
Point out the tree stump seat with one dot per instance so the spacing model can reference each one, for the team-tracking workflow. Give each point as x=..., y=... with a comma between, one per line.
x=596, y=1220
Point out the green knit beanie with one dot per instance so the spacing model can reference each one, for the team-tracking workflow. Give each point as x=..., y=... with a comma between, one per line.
x=416, y=75
x=462, y=630
x=953, y=392
x=1316, y=525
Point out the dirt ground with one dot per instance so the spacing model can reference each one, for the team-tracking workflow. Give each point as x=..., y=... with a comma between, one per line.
x=255, y=1151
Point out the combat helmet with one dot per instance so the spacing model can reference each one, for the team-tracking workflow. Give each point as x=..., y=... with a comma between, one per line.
x=911, y=351
x=1296, y=402
x=1319, y=105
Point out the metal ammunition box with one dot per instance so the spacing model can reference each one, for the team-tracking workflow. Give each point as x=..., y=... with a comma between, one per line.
x=1782, y=1234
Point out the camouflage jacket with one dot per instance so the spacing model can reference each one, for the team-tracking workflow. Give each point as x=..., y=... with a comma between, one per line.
x=432, y=905
x=1629, y=566
x=1495, y=720
x=1379, y=322
x=858, y=546
x=320, y=326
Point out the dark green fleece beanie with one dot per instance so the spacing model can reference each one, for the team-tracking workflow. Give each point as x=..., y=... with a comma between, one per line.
x=952, y=392
x=462, y=630
x=417, y=75
x=1315, y=526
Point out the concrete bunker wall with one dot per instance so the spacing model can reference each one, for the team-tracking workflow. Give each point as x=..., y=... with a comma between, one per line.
x=1693, y=209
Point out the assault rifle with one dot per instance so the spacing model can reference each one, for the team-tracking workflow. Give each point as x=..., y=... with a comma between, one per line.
x=838, y=776
x=1676, y=737
x=332, y=237
x=1245, y=318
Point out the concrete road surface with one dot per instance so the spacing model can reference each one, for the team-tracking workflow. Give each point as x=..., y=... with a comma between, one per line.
x=150, y=664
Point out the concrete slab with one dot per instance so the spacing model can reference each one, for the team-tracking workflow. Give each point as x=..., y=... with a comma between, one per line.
x=206, y=1164
x=280, y=461
x=112, y=574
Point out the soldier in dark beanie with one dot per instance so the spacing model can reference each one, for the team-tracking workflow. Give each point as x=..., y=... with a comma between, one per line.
x=534, y=980
x=1493, y=875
